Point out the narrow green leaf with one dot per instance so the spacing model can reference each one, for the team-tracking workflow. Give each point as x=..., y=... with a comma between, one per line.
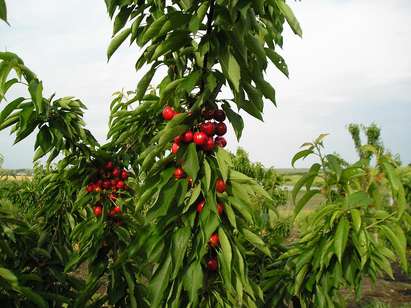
x=278, y=61
x=191, y=165
x=290, y=17
x=3, y=11
x=356, y=219
x=302, y=154
x=144, y=83
x=341, y=237
x=117, y=41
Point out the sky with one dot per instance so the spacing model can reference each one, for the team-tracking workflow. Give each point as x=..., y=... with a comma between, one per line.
x=351, y=66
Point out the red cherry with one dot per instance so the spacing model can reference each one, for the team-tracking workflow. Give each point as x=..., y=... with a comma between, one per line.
x=199, y=138
x=116, y=172
x=168, y=113
x=120, y=184
x=98, y=211
x=219, y=115
x=99, y=183
x=209, y=145
x=117, y=210
x=90, y=188
x=97, y=188
x=113, y=183
x=208, y=114
x=112, y=213
x=212, y=264
x=200, y=206
x=214, y=240
x=220, y=209
x=178, y=139
x=106, y=184
x=220, y=141
x=220, y=185
x=179, y=173
x=188, y=136
x=174, y=148
x=220, y=129
x=124, y=174
x=208, y=128
x=108, y=165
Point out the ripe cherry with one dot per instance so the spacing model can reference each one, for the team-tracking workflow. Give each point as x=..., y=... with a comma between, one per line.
x=208, y=128
x=174, y=148
x=179, y=173
x=168, y=113
x=112, y=213
x=199, y=138
x=90, y=188
x=106, y=184
x=98, y=211
x=108, y=165
x=116, y=172
x=124, y=174
x=120, y=184
x=212, y=264
x=214, y=240
x=178, y=139
x=200, y=206
x=188, y=136
x=220, y=129
x=208, y=114
x=209, y=145
x=219, y=115
x=220, y=209
x=220, y=141
x=220, y=186
x=117, y=210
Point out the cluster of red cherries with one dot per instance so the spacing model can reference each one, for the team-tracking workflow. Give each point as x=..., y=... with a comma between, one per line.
x=110, y=182
x=203, y=135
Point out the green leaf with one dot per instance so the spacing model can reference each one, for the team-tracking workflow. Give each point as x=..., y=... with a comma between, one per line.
x=159, y=283
x=33, y=297
x=398, y=243
x=224, y=162
x=341, y=237
x=233, y=71
x=3, y=11
x=289, y=16
x=117, y=41
x=225, y=248
x=356, y=219
x=8, y=276
x=36, y=92
x=207, y=173
x=235, y=119
x=144, y=83
x=193, y=281
x=9, y=108
x=153, y=29
x=181, y=239
x=277, y=60
x=256, y=241
x=302, y=154
x=191, y=165
x=304, y=199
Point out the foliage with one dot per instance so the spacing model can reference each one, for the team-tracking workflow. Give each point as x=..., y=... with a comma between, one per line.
x=357, y=232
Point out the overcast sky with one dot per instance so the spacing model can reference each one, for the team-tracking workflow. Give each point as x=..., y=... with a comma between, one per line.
x=352, y=65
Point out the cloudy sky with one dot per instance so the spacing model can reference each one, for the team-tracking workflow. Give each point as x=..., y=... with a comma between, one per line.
x=352, y=65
